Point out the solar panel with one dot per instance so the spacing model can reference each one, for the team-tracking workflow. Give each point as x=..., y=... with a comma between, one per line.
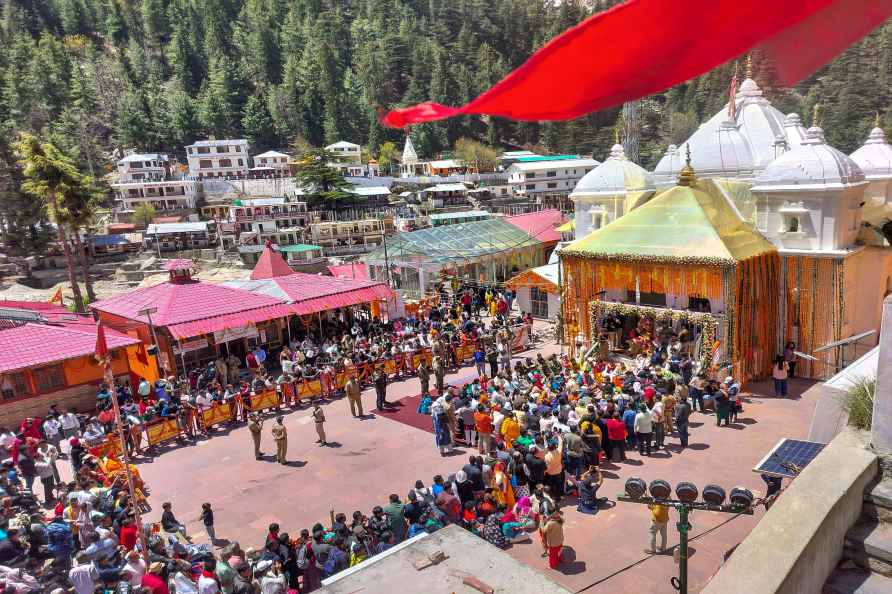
x=788, y=457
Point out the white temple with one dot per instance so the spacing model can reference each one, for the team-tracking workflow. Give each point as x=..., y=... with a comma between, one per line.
x=823, y=210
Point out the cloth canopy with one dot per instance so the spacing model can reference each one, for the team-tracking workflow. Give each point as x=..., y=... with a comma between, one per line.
x=694, y=224
x=643, y=47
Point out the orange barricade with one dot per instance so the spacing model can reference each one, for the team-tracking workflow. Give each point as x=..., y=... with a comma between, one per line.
x=363, y=371
x=341, y=379
x=390, y=367
x=162, y=430
x=216, y=414
x=264, y=400
x=309, y=389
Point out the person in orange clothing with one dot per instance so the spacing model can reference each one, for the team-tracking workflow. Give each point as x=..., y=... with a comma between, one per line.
x=510, y=430
x=483, y=423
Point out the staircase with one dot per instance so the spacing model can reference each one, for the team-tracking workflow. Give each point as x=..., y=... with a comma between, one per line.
x=866, y=565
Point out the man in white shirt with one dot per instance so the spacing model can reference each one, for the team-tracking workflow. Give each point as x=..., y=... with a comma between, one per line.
x=52, y=428
x=70, y=424
x=207, y=582
x=134, y=569
x=659, y=427
x=643, y=429
x=84, y=575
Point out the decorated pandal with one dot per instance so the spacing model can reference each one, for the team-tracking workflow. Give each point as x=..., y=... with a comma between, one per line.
x=686, y=266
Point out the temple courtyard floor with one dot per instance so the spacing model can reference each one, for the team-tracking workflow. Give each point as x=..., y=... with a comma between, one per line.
x=381, y=454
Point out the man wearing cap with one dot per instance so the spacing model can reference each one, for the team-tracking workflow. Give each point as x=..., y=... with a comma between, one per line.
x=280, y=436
x=319, y=420
x=255, y=426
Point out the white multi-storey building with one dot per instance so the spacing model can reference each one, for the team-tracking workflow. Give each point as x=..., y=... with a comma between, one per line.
x=272, y=162
x=218, y=158
x=155, y=179
x=558, y=175
x=346, y=152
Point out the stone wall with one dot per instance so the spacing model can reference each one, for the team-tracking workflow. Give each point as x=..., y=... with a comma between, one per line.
x=800, y=539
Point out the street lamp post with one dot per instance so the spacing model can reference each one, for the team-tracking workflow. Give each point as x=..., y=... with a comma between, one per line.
x=741, y=504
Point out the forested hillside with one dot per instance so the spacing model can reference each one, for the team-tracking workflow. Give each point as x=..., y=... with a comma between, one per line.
x=95, y=76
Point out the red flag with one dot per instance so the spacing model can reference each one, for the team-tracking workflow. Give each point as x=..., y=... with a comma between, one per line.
x=101, y=344
x=57, y=296
x=646, y=46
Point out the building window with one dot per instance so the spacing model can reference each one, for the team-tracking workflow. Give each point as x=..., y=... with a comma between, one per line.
x=530, y=175
x=223, y=149
x=49, y=378
x=538, y=302
x=225, y=162
x=792, y=224
x=203, y=150
x=241, y=162
x=699, y=304
x=14, y=385
x=530, y=187
x=551, y=174
x=552, y=184
x=597, y=219
x=238, y=149
x=205, y=164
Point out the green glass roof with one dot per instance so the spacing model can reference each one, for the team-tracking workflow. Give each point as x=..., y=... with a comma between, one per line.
x=536, y=158
x=298, y=247
x=453, y=243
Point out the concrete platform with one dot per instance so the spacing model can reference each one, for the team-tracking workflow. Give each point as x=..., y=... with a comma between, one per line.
x=376, y=456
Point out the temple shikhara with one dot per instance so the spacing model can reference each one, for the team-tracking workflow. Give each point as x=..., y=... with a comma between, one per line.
x=752, y=234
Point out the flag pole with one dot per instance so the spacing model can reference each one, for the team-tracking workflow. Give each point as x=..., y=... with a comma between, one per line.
x=104, y=357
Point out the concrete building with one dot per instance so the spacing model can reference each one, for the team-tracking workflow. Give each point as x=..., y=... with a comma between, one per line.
x=152, y=178
x=271, y=163
x=277, y=220
x=218, y=158
x=340, y=238
x=441, y=195
x=553, y=175
x=174, y=237
x=346, y=152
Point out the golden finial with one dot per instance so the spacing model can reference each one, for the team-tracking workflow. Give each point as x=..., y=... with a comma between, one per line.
x=686, y=176
x=615, y=135
x=816, y=115
x=749, y=65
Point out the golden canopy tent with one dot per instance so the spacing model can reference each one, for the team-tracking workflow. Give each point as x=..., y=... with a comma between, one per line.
x=687, y=242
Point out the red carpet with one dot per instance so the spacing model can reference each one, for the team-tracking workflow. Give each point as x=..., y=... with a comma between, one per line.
x=407, y=414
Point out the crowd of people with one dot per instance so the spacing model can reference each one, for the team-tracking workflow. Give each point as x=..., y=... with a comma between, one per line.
x=540, y=429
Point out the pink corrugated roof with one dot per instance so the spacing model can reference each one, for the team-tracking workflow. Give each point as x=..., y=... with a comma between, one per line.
x=351, y=271
x=180, y=302
x=541, y=225
x=34, y=344
x=225, y=322
x=309, y=293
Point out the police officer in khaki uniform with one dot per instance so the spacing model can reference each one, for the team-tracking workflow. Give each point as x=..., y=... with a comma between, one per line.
x=354, y=396
x=255, y=426
x=280, y=435
x=319, y=419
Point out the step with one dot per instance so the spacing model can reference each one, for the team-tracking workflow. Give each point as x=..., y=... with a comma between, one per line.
x=878, y=501
x=869, y=545
x=857, y=581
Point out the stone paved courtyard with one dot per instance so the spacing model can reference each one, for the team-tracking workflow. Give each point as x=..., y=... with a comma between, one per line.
x=371, y=458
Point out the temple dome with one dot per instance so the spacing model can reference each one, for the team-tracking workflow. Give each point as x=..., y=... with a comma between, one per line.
x=616, y=175
x=874, y=157
x=814, y=165
x=717, y=151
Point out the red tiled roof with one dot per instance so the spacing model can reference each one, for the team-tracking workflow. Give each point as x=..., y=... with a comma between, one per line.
x=184, y=301
x=38, y=306
x=540, y=225
x=35, y=344
x=233, y=320
x=270, y=265
x=353, y=270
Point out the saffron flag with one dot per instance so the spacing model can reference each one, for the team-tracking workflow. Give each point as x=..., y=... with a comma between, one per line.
x=646, y=46
x=57, y=296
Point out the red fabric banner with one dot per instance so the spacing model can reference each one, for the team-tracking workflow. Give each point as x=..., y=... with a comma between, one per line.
x=646, y=46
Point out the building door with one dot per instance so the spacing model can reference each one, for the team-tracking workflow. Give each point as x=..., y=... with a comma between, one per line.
x=538, y=302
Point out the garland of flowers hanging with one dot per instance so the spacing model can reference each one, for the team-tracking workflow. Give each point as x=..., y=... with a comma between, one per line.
x=708, y=322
